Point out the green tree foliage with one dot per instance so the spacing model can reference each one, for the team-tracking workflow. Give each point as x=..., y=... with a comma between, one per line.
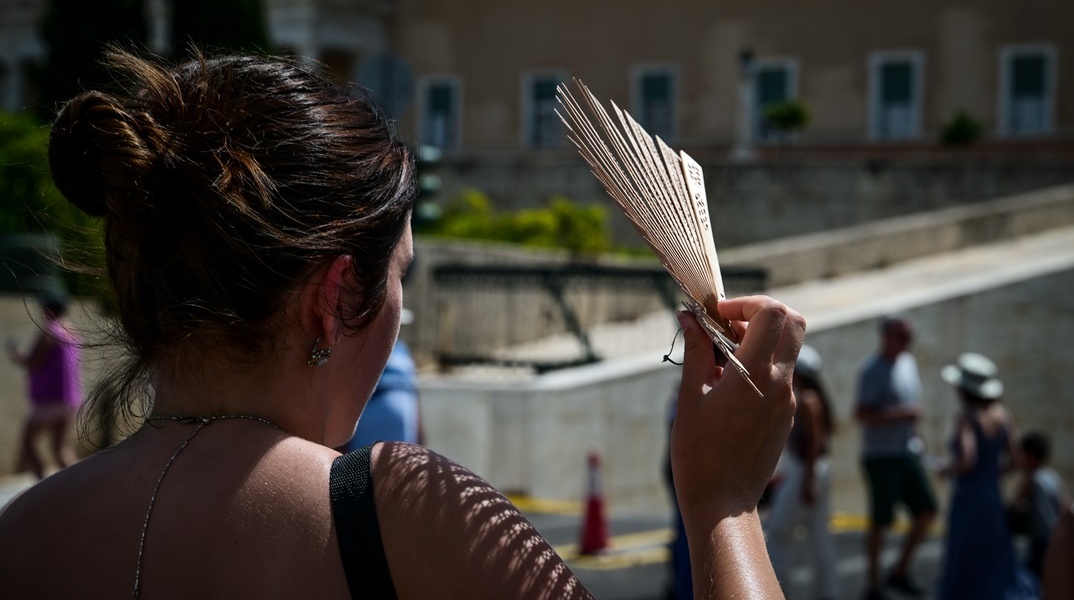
x=220, y=24
x=76, y=33
x=30, y=202
x=962, y=129
x=562, y=224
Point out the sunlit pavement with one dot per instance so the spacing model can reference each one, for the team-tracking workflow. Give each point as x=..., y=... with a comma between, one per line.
x=636, y=565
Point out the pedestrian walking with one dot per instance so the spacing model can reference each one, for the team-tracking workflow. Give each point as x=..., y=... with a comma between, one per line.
x=888, y=406
x=802, y=498
x=53, y=365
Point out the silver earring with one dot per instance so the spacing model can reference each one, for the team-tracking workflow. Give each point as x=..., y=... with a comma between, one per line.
x=319, y=356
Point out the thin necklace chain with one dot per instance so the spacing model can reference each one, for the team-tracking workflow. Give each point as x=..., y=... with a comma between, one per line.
x=199, y=423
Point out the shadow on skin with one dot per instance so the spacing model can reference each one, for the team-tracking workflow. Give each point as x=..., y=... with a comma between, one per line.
x=468, y=539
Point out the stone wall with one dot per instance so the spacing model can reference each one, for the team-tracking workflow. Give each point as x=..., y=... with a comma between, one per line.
x=789, y=260
x=506, y=316
x=885, y=242
x=533, y=437
x=1023, y=327
x=757, y=202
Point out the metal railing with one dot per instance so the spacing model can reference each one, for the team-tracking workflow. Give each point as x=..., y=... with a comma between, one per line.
x=482, y=310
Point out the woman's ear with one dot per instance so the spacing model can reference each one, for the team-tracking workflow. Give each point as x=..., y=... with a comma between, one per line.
x=325, y=304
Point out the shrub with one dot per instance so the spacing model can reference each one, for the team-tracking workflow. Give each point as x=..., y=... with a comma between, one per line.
x=786, y=117
x=562, y=224
x=30, y=202
x=962, y=129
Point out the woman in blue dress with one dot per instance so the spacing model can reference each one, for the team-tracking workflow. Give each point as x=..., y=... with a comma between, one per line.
x=979, y=559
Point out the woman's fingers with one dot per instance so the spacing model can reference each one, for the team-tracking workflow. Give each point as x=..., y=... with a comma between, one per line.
x=770, y=334
x=698, y=358
x=739, y=328
x=775, y=332
x=743, y=308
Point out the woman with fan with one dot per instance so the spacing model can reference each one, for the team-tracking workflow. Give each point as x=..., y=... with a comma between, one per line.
x=256, y=220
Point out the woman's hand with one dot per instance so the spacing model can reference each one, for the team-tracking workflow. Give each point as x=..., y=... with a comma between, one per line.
x=725, y=441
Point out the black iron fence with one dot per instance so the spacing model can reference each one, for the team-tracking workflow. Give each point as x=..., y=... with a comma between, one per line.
x=506, y=315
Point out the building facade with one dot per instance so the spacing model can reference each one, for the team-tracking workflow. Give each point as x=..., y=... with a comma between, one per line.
x=346, y=35
x=880, y=79
x=477, y=75
x=875, y=73
x=20, y=48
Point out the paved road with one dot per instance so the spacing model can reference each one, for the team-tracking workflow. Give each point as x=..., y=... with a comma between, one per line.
x=637, y=566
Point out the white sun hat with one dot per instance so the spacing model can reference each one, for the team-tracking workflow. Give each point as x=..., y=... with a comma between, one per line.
x=975, y=374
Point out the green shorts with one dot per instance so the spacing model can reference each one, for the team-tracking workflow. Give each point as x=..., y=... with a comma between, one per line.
x=897, y=479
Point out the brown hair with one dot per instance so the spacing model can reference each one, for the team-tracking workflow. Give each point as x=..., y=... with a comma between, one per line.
x=222, y=183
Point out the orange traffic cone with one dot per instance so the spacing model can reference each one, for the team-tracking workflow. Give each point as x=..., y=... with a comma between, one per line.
x=595, y=523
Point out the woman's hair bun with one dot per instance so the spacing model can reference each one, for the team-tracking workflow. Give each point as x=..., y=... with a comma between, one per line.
x=98, y=154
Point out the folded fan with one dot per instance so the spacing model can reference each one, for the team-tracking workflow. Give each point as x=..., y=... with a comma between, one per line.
x=663, y=194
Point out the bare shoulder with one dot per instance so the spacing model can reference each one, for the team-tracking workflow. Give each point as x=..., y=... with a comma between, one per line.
x=395, y=463
x=447, y=532
x=421, y=475
x=1005, y=417
x=47, y=497
x=267, y=495
x=996, y=418
x=45, y=524
x=298, y=464
x=15, y=513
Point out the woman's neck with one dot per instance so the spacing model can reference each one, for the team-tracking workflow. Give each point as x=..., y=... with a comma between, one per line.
x=282, y=394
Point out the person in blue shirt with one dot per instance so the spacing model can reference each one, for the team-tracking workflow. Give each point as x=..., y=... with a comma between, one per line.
x=1040, y=494
x=392, y=412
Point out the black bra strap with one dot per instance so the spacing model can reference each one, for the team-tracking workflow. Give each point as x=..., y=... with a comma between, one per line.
x=355, y=512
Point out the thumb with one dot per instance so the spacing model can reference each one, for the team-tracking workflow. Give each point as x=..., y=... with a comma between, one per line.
x=698, y=358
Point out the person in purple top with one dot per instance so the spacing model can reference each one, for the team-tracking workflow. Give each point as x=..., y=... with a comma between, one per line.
x=55, y=386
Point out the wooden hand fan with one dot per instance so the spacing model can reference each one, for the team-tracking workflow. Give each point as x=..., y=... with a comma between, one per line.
x=663, y=194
